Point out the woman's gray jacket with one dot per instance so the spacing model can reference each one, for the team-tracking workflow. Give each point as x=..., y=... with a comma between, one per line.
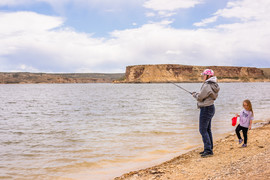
x=208, y=94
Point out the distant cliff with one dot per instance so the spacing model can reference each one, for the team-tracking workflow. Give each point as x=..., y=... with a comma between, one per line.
x=143, y=74
x=27, y=78
x=183, y=73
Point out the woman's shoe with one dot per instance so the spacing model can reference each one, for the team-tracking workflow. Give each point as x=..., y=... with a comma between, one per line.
x=206, y=154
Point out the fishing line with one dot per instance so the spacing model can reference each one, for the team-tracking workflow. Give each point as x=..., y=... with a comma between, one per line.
x=181, y=88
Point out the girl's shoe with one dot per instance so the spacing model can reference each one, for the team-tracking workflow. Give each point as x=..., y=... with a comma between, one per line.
x=240, y=141
x=244, y=145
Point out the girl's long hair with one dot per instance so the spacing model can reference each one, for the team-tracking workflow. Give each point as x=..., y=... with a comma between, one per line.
x=249, y=105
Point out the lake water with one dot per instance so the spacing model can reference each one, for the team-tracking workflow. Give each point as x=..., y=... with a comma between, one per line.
x=99, y=131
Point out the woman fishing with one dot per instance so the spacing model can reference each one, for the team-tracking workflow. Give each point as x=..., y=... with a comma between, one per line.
x=206, y=97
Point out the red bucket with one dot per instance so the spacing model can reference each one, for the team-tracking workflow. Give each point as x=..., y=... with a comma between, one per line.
x=234, y=121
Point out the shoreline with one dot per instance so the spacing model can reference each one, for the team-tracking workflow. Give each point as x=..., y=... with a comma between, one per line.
x=104, y=81
x=228, y=162
x=219, y=81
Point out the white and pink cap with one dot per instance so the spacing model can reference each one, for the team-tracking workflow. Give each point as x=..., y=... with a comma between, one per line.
x=208, y=72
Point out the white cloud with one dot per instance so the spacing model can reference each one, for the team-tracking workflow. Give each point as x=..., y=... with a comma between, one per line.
x=204, y=22
x=247, y=37
x=32, y=38
x=52, y=2
x=24, y=68
x=17, y=28
x=13, y=2
x=150, y=14
x=244, y=10
x=164, y=8
x=166, y=14
x=173, y=52
x=168, y=8
x=172, y=5
x=46, y=46
x=59, y=5
x=27, y=20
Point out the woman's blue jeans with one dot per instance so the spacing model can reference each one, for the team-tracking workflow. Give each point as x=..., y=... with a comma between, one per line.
x=206, y=115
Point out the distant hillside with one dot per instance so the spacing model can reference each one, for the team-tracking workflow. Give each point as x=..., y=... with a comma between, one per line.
x=29, y=78
x=142, y=74
x=183, y=73
x=266, y=72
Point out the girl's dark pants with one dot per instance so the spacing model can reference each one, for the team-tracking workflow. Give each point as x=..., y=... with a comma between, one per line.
x=245, y=130
x=206, y=115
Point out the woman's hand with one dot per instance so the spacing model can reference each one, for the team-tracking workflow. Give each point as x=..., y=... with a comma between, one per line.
x=249, y=127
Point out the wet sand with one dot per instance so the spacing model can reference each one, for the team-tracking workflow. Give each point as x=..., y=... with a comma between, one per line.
x=229, y=161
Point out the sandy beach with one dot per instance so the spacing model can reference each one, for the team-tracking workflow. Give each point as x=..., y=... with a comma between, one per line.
x=229, y=161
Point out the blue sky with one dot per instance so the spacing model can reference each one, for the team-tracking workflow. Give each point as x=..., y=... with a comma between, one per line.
x=108, y=35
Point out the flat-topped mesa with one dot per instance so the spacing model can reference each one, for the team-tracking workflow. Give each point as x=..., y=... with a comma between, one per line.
x=184, y=73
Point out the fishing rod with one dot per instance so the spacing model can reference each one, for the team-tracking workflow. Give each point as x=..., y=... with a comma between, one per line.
x=181, y=88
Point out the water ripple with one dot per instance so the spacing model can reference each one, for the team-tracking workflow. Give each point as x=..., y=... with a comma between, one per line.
x=53, y=129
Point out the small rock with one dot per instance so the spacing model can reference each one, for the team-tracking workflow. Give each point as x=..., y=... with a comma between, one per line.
x=183, y=172
x=261, y=146
x=156, y=172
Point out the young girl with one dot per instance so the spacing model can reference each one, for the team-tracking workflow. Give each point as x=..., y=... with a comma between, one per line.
x=246, y=117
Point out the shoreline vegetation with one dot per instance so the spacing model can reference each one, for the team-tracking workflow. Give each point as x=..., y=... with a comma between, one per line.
x=229, y=161
x=57, y=78
x=141, y=74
